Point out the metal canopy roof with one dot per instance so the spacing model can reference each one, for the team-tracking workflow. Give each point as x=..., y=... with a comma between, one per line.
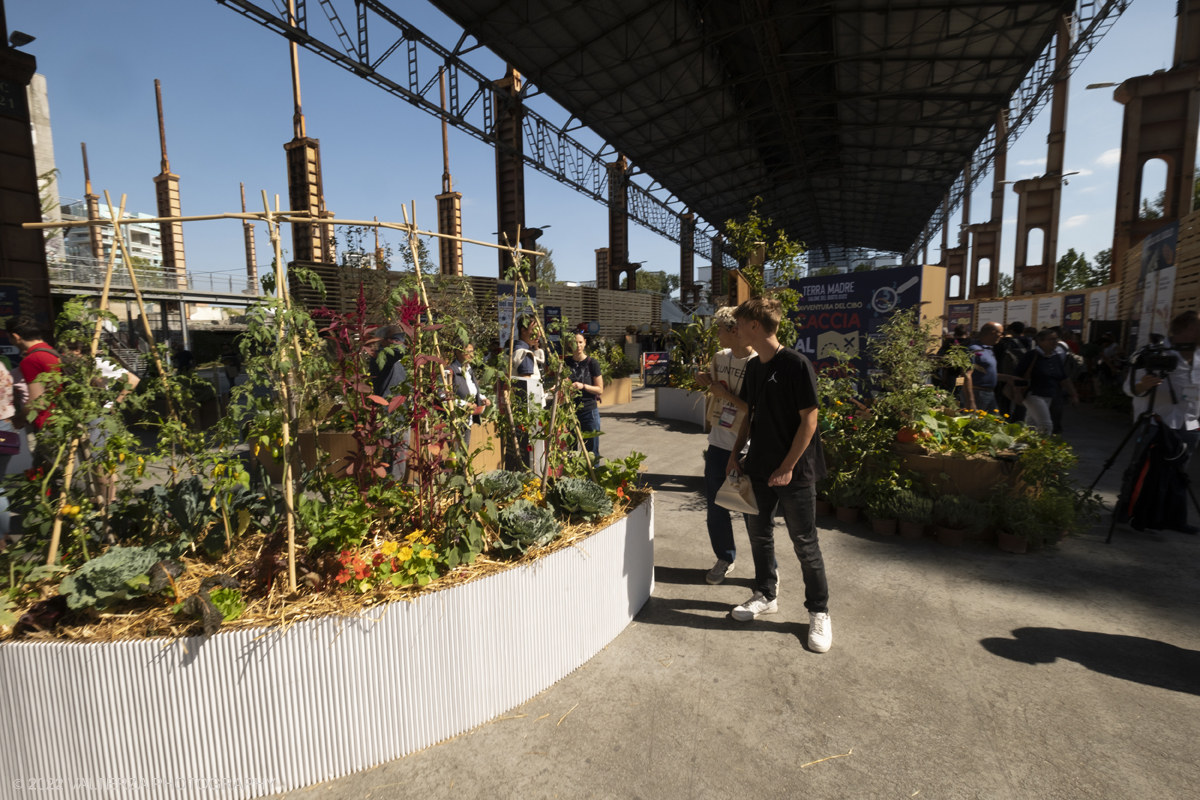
x=852, y=119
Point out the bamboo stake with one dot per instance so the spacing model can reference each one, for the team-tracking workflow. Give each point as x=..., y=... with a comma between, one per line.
x=108, y=273
x=284, y=216
x=119, y=240
x=289, y=512
x=56, y=530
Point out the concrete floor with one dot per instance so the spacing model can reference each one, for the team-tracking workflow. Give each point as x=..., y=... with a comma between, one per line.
x=955, y=673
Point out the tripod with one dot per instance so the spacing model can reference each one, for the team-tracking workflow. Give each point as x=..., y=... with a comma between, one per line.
x=1143, y=421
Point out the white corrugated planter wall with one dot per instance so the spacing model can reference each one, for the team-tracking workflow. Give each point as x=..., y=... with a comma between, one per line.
x=188, y=718
x=680, y=404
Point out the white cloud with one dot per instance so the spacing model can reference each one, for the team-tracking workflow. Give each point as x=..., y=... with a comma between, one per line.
x=1032, y=162
x=1081, y=172
x=1110, y=158
x=1012, y=221
x=1089, y=188
x=1075, y=221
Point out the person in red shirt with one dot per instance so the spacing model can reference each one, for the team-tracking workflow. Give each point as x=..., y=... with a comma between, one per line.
x=37, y=358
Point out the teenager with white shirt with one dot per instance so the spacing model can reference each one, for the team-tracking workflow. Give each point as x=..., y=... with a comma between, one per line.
x=723, y=382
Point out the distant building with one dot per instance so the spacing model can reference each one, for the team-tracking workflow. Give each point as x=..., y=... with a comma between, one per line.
x=143, y=240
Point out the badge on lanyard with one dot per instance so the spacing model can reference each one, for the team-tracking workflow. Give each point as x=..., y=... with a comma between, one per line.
x=728, y=415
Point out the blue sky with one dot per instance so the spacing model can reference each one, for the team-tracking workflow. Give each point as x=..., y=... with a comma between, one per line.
x=228, y=111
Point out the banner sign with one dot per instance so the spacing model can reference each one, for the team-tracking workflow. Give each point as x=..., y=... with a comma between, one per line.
x=506, y=301
x=1157, y=281
x=992, y=311
x=1020, y=311
x=1049, y=312
x=1096, y=305
x=1114, y=304
x=842, y=312
x=961, y=314
x=1073, y=305
x=552, y=318
x=657, y=369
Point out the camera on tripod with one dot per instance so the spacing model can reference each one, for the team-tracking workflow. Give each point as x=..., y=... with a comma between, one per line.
x=1158, y=357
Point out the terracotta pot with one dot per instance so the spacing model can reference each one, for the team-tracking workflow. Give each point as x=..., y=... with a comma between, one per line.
x=884, y=527
x=824, y=506
x=846, y=514
x=912, y=530
x=951, y=537
x=986, y=535
x=1010, y=543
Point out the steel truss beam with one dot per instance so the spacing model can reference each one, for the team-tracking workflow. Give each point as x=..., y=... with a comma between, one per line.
x=1092, y=20
x=548, y=147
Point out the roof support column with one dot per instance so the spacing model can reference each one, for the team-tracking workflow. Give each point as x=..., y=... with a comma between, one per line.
x=985, y=236
x=717, y=290
x=510, y=170
x=618, y=226
x=1041, y=198
x=687, y=258
x=449, y=205
x=945, y=228
x=1162, y=116
x=166, y=192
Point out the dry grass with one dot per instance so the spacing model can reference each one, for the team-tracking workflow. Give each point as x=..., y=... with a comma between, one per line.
x=151, y=617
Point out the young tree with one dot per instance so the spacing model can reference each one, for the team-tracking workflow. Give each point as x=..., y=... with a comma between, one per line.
x=1102, y=270
x=1071, y=272
x=660, y=282
x=547, y=272
x=1004, y=285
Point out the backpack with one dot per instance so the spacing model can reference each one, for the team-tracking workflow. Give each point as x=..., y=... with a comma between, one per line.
x=1015, y=348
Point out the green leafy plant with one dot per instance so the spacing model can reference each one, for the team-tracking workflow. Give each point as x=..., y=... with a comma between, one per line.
x=501, y=485
x=229, y=602
x=959, y=512
x=579, y=499
x=618, y=474
x=524, y=525
x=782, y=259
x=845, y=490
x=913, y=508
x=120, y=573
x=881, y=506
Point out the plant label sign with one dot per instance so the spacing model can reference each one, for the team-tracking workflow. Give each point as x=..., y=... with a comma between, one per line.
x=841, y=313
x=506, y=302
x=657, y=368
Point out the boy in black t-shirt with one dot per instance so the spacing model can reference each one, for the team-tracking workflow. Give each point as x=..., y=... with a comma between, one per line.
x=784, y=464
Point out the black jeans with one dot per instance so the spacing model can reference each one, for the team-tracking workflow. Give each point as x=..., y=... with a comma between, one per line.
x=799, y=507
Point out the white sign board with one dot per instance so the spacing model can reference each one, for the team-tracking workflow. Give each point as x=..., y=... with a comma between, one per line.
x=1114, y=304
x=1049, y=312
x=1020, y=311
x=992, y=311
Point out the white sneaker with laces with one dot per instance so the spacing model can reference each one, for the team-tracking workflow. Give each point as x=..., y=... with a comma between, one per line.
x=719, y=571
x=755, y=607
x=820, y=632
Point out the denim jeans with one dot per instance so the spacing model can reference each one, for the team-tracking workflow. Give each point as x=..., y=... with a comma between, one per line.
x=590, y=421
x=800, y=513
x=985, y=400
x=720, y=520
x=1037, y=413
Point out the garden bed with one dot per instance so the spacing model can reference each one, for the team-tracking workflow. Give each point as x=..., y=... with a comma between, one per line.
x=617, y=391
x=680, y=404
x=324, y=694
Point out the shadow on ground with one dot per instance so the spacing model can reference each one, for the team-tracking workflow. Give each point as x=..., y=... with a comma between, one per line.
x=1130, y=658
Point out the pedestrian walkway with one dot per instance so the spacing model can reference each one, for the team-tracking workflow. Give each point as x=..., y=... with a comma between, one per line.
x=1073, y=672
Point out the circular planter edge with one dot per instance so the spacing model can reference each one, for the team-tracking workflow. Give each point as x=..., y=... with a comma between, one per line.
x=261, y=711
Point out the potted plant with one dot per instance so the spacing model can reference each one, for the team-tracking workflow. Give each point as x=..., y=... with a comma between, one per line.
x=846, y=495
x=1016, y=522
x=914, y=512
x=881, y=508
x=824, y=507
x=954, y=515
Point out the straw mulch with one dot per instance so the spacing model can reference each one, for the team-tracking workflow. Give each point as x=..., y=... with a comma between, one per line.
x=151, y=617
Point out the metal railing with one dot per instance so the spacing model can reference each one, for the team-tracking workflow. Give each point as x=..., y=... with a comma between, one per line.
x=90, y=272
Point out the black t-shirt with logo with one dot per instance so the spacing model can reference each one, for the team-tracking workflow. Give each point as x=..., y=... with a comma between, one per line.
x=776, y=392
x=584, y=372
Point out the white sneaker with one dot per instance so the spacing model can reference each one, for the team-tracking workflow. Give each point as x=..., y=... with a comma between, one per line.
x=820, y=632
x=719, y=571
x=755, y=607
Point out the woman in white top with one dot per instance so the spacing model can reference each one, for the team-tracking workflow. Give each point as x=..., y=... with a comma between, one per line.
x=723, y=381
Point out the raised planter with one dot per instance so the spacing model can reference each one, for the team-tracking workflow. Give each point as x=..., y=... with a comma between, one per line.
x=680, y=404
x=617, y=392
x=845, y=514
x=975, y=477
x=1010, y=543
x=950, y=537
x=912, y=530
x=824, y=506
x=325, y=697
x=884, y=527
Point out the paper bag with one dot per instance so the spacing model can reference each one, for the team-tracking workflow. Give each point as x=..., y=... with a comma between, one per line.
x=736, y=494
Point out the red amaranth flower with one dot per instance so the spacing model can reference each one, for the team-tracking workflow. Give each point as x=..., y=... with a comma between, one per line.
x=411, y=310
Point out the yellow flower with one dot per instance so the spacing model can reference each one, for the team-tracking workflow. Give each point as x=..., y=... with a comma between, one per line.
x=212, y=503
x=426, y=553
x=412, y=537
x=405, y=553
x=121, y=458
x=389, y=548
